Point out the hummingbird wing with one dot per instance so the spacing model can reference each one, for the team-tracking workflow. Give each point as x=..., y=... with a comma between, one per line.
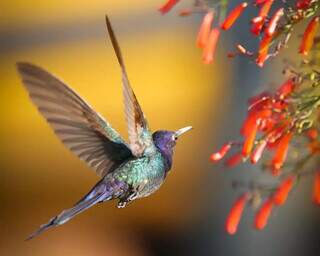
x=77, y=125
x=140, y=137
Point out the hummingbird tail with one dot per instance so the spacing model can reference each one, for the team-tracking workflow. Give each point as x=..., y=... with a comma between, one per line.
x=68, y=214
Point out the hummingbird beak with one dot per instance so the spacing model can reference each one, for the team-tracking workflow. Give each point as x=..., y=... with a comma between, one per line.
x=182, y=131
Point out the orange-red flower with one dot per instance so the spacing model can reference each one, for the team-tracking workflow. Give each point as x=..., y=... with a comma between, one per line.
x=221, y=153
x=308, y=36
x=185, y=12
x=316, y=188
x=234, y=160
x=274, y=137
x=314, y=147
x=263, y=214
x=257, y=2
x=265, y=8
x=303, y=4
x=257, y=153
x=312, y=133
x=233, y=16
x=210, y=47
x=258, y=22
x=249, y=140
x=281, y=153
x=260, y=100
x=263, y=50
x=253, y=118
x=274, y=22
x=166, y=7
x=204, y=30
x=235, y=214
x=286, y=89
x=281, y=195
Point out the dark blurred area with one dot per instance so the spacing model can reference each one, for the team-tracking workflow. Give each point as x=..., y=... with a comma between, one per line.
x=39, y=177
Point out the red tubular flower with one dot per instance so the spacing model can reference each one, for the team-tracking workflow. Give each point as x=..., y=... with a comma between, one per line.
x=280, y=105
x=204, y=30
x=257, y=2
x=308, y=36
x=234, y=160
x=312, y=133
x=257, y=99
x=185, y=12
x=316, y=188
x=233, y=16
x=286, y=88
x=303, y=4
x=314, y=147
x=274, y=137
x=166, y=7
x=263, y=214
x=281, y=195
x=257, y=27
x=258, y=22
x=263, y=50
x=249, y=140
x=265, y=8
x=281, y=153
x=257, y=153
x=248, y=125
x=267, y=125
x=221, y=153
x=252, y=119
x=235, y=214
x=274, y=22
x=209, y=49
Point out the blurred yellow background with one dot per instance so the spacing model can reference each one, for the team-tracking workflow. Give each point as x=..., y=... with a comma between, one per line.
x=39, y=177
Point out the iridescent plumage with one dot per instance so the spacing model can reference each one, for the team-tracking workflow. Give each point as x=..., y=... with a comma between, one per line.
x=128, y=171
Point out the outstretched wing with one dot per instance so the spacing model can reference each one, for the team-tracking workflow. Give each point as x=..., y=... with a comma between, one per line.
x=140, y=137
x=78, y=126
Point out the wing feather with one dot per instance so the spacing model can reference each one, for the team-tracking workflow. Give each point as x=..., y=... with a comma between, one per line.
x=140, y=137
x=77, y=125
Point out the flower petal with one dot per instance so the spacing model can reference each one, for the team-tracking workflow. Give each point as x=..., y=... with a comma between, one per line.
x=281, y=153
x=209, y=49
x=316, y=188
x=235, y=214
x=233, y=16
x=204, y=30
x=281, y=195
x=263, y=214
x=166, y=7
x=308, y=36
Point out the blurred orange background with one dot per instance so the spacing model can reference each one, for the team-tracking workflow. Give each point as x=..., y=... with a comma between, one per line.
x=40, y=177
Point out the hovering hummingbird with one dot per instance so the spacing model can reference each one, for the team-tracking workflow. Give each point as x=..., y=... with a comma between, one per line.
x=128, y=171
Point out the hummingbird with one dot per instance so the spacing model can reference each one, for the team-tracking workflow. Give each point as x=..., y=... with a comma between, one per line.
x=128, y=171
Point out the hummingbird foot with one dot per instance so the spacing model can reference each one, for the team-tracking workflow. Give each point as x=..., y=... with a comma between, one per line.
x=128, y=199
x=122, y=204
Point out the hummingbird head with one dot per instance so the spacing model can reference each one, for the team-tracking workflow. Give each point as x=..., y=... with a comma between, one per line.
x=166, y=140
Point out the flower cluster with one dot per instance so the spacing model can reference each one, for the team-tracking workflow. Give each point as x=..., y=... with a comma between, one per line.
x=282, y=127
x=274, y=27
x=287, y=119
